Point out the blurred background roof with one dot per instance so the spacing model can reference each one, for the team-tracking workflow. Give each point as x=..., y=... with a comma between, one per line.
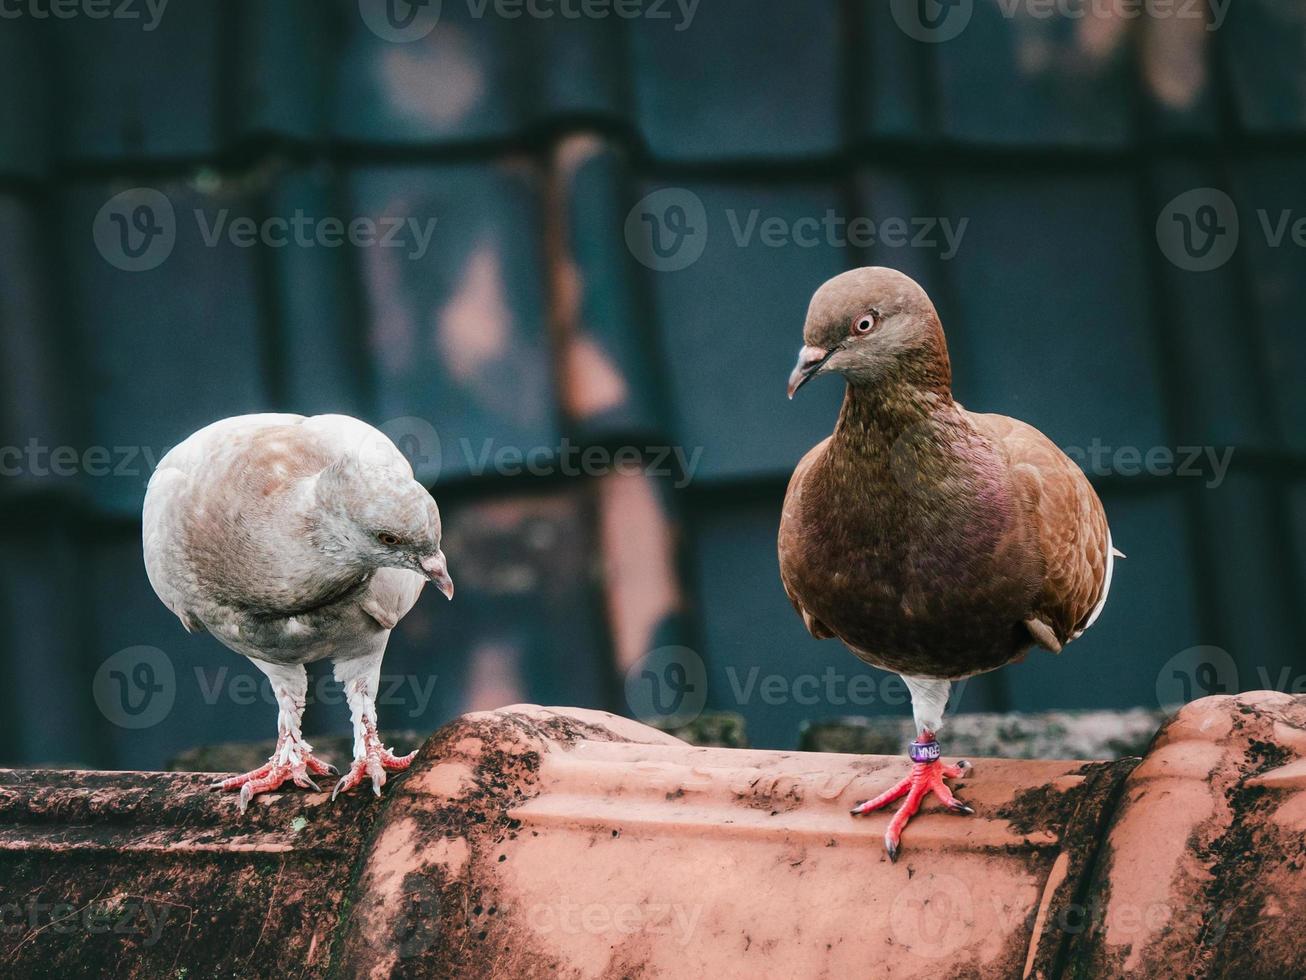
x=1026, y=169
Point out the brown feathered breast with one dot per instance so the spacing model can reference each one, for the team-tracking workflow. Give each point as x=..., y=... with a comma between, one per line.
x=945, y=547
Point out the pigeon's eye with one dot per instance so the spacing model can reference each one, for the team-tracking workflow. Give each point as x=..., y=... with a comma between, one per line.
x=387, y=539
x=864, y=325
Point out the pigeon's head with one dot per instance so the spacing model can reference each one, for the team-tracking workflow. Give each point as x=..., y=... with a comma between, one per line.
x=377, y=516
x=872, y=325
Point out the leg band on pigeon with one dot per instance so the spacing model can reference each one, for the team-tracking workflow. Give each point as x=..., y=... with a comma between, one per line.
x=924, y=751
x=926, y=777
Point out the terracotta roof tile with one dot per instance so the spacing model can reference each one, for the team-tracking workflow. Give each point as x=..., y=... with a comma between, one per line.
x=532, y=840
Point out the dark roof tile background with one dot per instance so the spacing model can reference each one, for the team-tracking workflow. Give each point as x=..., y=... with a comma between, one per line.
x=1063, y=81
x=1264, y=43
x=144, y=342
x=529, y=325
x=773, y=72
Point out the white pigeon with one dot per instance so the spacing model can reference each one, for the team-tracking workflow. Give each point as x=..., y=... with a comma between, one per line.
x=291, y=540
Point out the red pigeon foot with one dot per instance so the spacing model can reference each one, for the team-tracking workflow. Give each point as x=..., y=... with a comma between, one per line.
x=374, y=763
x=926, y=777
x=299, y=768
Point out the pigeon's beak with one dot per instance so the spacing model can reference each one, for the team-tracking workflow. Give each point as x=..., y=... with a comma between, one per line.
x=438, y=572
x=810, y=361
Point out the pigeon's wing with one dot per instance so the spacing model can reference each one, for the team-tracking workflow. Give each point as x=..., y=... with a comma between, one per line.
x=168, y=495
x=1071, y=527
x=163, y=562
x=393, y=592
x=793, y=556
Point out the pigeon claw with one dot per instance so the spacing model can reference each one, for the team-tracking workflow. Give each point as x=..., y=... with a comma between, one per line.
x=273, y=773
x=236, y=782
x=373, y=765
x=272, y=779
x=319, y=768
x=926, y=778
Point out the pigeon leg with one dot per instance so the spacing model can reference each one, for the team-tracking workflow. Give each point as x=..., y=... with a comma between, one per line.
x=293, y=758
x=372, y=760
x=926, y=777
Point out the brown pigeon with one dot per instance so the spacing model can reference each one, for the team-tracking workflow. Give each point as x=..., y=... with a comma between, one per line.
x=934, y=542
